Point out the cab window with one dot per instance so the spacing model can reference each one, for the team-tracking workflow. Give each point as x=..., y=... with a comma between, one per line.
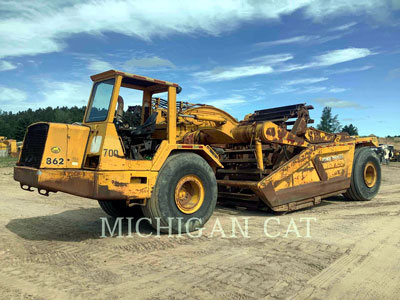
x=101, y=98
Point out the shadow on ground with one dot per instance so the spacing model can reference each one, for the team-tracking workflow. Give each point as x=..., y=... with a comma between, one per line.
x=86, y=223
x=72, y=225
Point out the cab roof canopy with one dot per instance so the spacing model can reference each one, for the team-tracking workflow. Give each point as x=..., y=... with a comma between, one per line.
x=137, y=81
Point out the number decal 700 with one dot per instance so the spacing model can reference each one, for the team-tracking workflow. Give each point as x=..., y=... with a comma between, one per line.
x=110, y=152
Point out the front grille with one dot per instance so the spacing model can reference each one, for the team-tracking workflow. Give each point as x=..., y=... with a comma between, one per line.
x=35, y=140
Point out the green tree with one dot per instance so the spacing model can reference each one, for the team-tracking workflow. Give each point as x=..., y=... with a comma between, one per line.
x=328, y=122
x=13, y=125
x=350, y=129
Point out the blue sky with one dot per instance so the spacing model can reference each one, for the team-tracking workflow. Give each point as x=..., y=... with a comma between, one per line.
x=237, y=55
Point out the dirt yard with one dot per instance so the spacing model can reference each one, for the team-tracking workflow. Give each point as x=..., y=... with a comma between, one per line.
x=50, y=248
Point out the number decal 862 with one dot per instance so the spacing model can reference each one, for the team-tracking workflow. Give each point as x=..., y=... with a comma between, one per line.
x=54, y=161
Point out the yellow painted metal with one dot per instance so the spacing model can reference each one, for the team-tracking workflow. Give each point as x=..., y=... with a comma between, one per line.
x=65, y=146
x=171, y=115
x=268, y=132
x=210, y=118
x=215, y=130
x=101, y=185
x=370, y=174
x=369, y=141
x=8, y=146
x=165, y=150
x=114, y=99
x=336, y=160
x=189, y=194
x=13, y=147
x=259, y=155
x=113, y=73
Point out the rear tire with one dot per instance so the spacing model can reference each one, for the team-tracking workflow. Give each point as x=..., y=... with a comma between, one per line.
x=118, y=208
x=365, y=177
x=185, y=194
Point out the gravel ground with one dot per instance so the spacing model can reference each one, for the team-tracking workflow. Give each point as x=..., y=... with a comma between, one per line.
x=51, y=248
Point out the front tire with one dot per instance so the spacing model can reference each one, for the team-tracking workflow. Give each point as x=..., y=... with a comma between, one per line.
x=118, y=208
x=184, y=196
x=365, y=177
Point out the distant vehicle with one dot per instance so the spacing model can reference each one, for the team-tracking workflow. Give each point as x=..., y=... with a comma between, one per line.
x=8, y=147
x=385, y=153
x=395, y=154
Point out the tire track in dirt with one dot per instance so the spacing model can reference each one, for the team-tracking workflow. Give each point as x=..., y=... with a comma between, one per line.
x=67, y=260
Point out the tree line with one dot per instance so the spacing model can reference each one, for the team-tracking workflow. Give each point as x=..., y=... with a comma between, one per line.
x=13, y=125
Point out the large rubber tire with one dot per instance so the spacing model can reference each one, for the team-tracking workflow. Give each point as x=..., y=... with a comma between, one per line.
x=358, y=188
x=162, y=203
x=117, y=208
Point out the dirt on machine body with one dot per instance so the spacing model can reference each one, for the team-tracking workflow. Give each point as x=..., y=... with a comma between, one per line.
x=183, y=157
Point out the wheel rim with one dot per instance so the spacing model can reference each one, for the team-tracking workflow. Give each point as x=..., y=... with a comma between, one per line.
x=189, y=194
x=370, y=174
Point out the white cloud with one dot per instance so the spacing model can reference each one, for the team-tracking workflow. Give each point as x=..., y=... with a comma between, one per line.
x=194, y=93
x=97, y=65
x=309, y=39
x=226, y=103
x=337, y=90
x=8, y=95
x=292, y=40
x=148, y=62
x=58, y=93
x=10, y=98
x=394, y=73
x=319, y=10
x=329, y=58
x=284, y=89
x=299, y=90
x=339, y=56
x=311, y=90
x=292, y=67
x=271, y=58
x=220, y=74
x=257, y=66
x=348, y=70
x=319, y=89
x=306, y=80
x=296, y=86
x=344, y=27
x=333, y=102
x=6, y=66
x=53, y=93
x=292, y=86
x=34, y=27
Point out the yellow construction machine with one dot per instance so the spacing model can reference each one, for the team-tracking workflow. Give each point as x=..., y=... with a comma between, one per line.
x=8, y=147
x=182, y=158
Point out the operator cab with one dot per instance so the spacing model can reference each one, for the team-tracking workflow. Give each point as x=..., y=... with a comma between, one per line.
x=144, y=124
